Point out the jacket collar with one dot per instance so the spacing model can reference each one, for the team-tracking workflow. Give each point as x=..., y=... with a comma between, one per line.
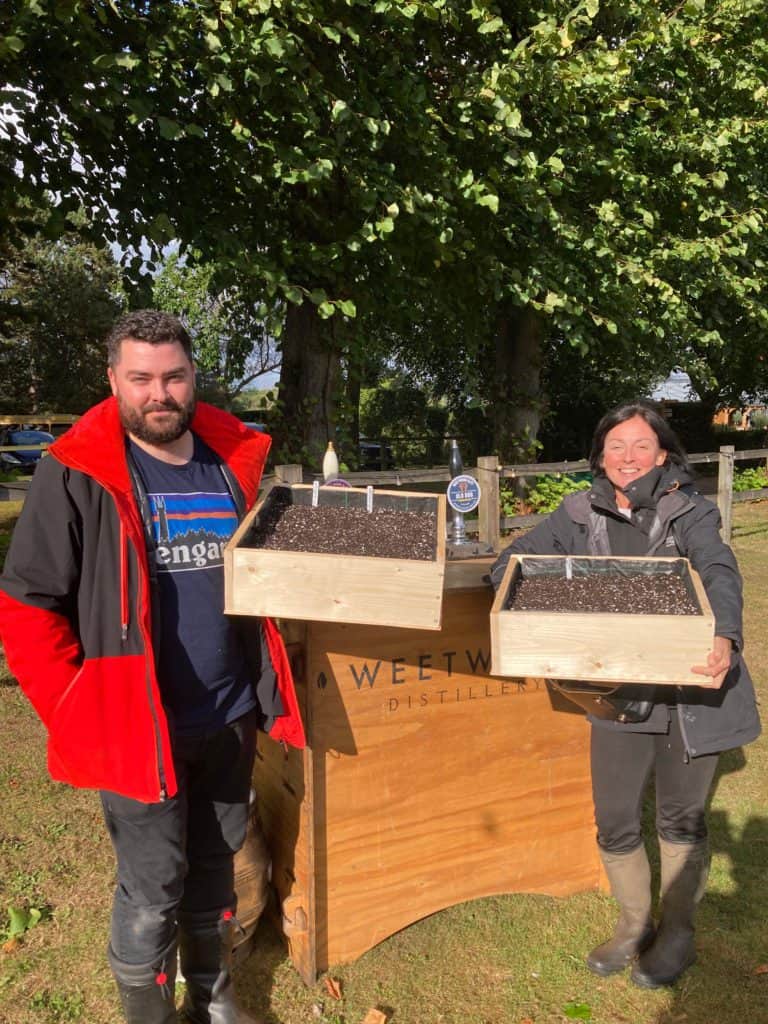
x=95, y=445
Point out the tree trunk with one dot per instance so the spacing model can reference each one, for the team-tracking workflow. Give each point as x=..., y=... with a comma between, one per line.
x=307, y=389
x=516, y=389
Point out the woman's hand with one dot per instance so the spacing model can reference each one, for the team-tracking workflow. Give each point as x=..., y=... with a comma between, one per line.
x=718, y=661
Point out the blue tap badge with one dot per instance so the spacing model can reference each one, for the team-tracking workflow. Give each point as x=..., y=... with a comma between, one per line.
x=463, y=493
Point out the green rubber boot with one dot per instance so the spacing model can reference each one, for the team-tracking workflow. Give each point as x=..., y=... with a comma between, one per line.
x=630, y=878
x=684, y=872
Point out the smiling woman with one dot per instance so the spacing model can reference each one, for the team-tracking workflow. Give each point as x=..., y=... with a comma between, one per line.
x=642, y=503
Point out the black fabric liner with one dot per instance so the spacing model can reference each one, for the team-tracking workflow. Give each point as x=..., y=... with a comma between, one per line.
x=586, y=565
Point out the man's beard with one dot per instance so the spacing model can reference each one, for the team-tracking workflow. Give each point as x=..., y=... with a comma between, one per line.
x=135, y=422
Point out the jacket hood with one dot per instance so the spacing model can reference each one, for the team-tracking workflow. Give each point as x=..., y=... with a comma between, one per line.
x=95, y=445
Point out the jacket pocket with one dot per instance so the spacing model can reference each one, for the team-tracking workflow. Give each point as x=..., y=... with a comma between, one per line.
x=101, y=733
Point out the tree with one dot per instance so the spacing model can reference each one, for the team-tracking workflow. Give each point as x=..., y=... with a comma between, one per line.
x=58, y=299
x=231, y=344
x=588, y=171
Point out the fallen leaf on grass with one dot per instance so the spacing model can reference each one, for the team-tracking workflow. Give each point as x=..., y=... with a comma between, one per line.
x=333, y=988
x=10, y=946
x=374, y=1017
x=761, y=969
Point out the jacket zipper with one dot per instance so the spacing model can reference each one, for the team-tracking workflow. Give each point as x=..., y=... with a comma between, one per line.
x=123, y=582
x=683, y=733
x=149, y=653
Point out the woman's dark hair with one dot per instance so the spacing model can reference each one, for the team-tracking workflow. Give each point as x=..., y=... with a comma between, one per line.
x=150, y=325
x=668, y=439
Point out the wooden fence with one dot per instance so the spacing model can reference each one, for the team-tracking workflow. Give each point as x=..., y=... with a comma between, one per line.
x=489, y=473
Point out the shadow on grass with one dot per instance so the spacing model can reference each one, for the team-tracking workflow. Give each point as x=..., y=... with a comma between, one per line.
x=726, y=985
x=255, y=976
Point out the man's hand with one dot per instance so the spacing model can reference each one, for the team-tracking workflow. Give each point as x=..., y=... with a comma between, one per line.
x=718, y=661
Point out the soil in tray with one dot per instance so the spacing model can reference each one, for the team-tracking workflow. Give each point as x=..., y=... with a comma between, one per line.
x=382, y=533
x=605, y=592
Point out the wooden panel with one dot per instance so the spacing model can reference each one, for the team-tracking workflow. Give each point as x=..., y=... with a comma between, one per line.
x=602, y=647
x=282, y=780
x=435, y=783
x=338, y=588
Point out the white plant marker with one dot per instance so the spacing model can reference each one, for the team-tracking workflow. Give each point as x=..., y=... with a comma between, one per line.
x=369, y=498
x=315, y=493
x=568, y=568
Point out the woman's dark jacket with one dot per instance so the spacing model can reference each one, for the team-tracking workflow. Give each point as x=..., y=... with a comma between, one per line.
x=669, y=518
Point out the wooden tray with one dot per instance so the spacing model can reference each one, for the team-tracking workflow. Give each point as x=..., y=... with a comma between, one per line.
x=338, y=588
x=601, y=647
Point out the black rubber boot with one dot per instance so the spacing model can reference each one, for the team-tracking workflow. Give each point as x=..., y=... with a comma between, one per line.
x=205, y=948
x=147, y=990
x=684, y=872
x=630, y=878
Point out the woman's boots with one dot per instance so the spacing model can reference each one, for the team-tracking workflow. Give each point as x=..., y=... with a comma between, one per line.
x=661, y=959
x=630, y=878
x=684, y=871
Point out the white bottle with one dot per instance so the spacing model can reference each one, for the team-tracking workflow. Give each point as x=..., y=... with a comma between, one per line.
x=330, y=464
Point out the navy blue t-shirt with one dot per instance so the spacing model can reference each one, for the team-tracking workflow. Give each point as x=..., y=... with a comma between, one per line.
x=201, y=665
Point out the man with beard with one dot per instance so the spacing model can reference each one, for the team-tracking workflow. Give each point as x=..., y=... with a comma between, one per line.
x=112, y=620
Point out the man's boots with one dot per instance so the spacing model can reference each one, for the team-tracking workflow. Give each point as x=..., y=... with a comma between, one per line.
x=684, y=871
x=147, y=991
x=205, y=948
x=630, y=878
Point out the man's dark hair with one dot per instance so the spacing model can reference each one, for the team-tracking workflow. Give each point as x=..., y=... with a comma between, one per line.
x=148, y=325
x=668, y=439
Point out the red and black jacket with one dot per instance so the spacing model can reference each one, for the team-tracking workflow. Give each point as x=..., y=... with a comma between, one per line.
x=75, y=607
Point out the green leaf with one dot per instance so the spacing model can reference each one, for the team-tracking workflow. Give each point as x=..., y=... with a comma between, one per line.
x=13, y=43
x=331, y=33
x=348, y=308
x=293, y=294
x=592, y=7
x=340, y=111
x=127, y=60
x=169, y=129
x=489, y=200
x=326, y=310
x=212, y=41
x=19, y=919
x=577, y=1011
x=493, y=25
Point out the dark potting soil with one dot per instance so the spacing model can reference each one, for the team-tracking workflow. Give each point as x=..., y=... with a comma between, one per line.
x=605, y=592
x=382, y=533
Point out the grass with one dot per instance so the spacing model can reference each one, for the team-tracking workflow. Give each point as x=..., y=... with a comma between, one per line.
x=516, y=959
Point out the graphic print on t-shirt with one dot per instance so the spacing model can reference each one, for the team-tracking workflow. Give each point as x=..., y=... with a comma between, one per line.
x=191, y=530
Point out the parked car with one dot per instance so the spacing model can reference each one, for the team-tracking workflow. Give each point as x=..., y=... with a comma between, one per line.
x=28, y=459
x=374, y=455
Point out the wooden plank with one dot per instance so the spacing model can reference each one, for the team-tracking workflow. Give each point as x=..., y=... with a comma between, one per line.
x=488, y=512
x=338, y=588
x=435, y=783
x=725, y=490
x=598, y=646
x=286, y=801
